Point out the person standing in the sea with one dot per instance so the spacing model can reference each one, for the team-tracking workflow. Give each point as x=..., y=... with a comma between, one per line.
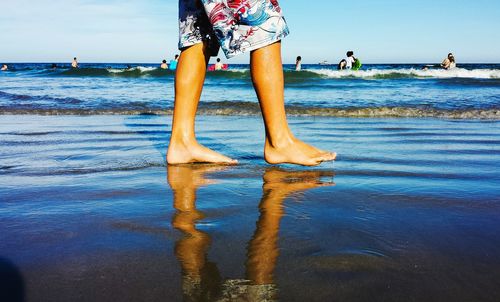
x=172, y=65
x=342, y=64
x=233, y=24
x=449, y=62
x=4, y=67
x=349, y=60
x=218, y=65
x=164, y=64
x=298, y=63
x=74, y=64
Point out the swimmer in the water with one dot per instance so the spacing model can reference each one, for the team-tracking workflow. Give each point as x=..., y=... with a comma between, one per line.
x=449, y=62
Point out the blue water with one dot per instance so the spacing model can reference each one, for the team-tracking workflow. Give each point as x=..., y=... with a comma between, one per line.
x=408, y=212
x=89, y=211
x=470, y=91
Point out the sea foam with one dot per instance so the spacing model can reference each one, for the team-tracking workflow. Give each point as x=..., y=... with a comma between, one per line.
x=410, y=72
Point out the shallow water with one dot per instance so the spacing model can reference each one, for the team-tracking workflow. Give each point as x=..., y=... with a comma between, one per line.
x=90, y=212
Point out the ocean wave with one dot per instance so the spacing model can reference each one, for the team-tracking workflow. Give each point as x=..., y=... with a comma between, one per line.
x=135, y=72
x=251, y=108
x=33, y=99
x=242, y=72
x=409, y=73
x=293, y=76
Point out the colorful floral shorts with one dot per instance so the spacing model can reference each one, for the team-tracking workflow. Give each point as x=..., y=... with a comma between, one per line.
x=238, y=26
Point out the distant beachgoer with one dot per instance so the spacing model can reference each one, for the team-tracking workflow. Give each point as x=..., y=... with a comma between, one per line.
x=218, y=65
x=173, y=63
x=4, y=67
x=449, y=62
x=53, y=66
x=74, y=64
x=164, y=64
x=349, y=60
x=342, y=64
x=129, y=66
x=198, y=23
x=298, y=63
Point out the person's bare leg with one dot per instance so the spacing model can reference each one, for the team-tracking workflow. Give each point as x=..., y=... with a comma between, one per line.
x=280, y=146
x=189, y=79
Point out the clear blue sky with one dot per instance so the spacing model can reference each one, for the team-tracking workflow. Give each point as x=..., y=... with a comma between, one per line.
x=146, y=30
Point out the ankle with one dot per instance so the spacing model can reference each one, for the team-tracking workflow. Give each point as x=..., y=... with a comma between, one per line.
x=182, y=138
x=280, y=141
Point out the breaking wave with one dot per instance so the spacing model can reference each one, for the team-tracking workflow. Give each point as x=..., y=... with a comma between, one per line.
x=306, y=74
x=410, y=73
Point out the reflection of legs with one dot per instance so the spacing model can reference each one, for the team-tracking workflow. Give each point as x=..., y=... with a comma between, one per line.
x=183, y=147
x=192, y=249
x=263, y=248
x=281, y=146
x=201, y=278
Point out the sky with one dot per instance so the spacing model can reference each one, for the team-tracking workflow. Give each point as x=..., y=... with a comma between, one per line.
x=146, y=31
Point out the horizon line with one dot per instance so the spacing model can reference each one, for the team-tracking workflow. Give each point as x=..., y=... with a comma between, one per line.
x=159, y=62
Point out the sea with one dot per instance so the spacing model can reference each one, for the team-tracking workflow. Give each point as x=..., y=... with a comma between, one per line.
x=398, y=90
x=409, y=211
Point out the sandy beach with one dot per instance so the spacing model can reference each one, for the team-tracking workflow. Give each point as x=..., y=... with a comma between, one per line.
x=90, y=212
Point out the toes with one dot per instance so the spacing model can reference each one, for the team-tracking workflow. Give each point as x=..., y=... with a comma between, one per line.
x=313, y=162
x=328, y=156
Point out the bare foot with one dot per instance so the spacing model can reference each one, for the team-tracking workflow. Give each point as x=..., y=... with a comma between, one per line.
x=182, y=153
x=296, y=152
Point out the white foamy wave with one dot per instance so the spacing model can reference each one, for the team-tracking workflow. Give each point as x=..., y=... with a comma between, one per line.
x=145, y=69
x=240, y=70
x=417, y=73
x=139, y=68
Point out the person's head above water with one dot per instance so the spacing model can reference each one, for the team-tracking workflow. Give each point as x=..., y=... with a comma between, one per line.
x=74, y=58
x=164, y=61
x=342, y=64
x=451, y=57
x=176, y=57
x=350, y=53
x=299, y=58
x=218, y=60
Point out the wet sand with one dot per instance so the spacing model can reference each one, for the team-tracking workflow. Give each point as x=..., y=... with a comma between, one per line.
x=90, y=212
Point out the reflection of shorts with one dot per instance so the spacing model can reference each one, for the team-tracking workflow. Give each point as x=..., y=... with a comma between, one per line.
x=238, y=26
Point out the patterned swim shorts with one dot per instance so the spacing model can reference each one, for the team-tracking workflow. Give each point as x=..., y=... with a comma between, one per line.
x=238, y=26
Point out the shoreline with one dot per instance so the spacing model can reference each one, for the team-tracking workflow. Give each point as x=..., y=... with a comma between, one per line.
x=252, y=109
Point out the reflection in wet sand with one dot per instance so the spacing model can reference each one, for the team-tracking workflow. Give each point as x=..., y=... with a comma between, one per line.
x=263, y=248
x=201, y=278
